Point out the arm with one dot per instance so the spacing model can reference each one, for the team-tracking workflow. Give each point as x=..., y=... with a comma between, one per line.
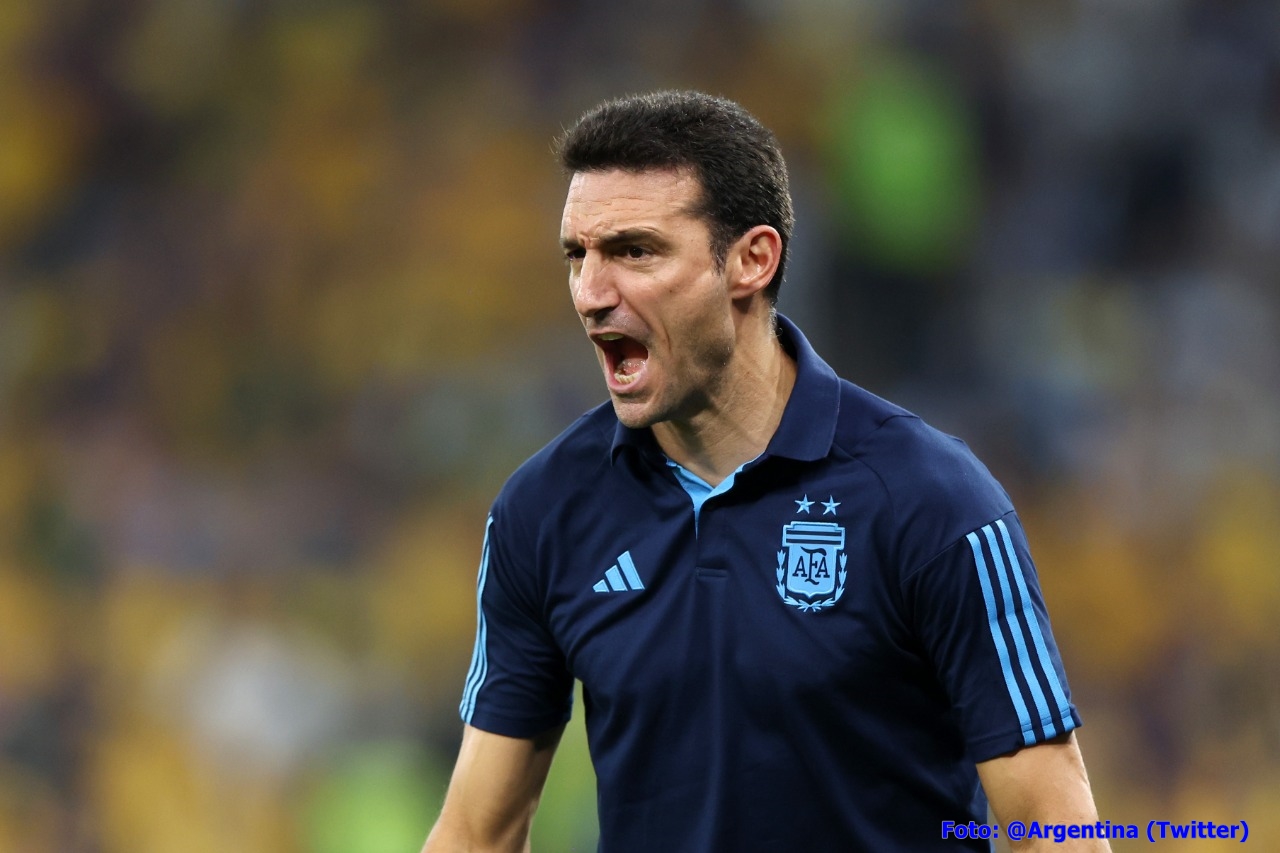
x=1046, y=783
x=493, y=794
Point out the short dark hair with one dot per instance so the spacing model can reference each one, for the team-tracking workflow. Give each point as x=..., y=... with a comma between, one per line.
x=735, y=158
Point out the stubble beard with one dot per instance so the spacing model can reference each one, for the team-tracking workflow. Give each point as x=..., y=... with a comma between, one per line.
x=684, y=405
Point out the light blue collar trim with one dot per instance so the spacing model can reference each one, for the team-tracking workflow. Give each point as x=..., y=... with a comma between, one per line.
x=700, y=491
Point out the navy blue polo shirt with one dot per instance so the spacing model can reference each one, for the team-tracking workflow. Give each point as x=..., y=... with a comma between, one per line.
x=812, y=660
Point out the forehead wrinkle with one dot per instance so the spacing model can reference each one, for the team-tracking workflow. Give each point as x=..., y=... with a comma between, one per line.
x=646, y=214
x=597, y=209
x=619, y=237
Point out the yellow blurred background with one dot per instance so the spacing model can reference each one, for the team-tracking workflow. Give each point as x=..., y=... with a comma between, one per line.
x=281, y=305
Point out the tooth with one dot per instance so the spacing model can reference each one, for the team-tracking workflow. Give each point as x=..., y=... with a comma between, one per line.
x=611, y=336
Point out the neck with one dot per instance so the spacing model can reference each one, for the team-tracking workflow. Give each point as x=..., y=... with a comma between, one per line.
x=742, y=415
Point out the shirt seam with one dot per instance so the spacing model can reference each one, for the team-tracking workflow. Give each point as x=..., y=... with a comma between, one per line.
x=852, y=453
x=925, y=564
x=981, y=746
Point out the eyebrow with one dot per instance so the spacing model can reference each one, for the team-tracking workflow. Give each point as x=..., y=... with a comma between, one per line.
x=625, y=237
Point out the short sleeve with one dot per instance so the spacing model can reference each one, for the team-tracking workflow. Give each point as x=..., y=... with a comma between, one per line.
x=978, y=611
x=518, y=684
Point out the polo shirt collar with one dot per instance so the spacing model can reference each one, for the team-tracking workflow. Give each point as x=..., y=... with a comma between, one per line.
x=808, y=424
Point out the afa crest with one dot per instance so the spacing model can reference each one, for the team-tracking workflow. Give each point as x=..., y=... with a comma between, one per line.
x=811, y=568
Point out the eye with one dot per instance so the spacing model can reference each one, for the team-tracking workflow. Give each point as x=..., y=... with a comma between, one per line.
x=635, y=253
x=574, y=254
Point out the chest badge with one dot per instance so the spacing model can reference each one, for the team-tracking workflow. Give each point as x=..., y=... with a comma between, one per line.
x=811, y=569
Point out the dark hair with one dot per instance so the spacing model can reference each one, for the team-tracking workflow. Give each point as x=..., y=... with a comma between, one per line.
x=736, y=159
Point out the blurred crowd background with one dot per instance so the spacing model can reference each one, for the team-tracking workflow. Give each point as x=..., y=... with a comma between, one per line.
x=281, y=305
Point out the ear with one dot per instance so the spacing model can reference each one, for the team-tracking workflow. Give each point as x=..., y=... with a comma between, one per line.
x=752, y=260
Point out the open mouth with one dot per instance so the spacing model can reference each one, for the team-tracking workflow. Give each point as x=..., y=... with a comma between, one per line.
x=624, y=357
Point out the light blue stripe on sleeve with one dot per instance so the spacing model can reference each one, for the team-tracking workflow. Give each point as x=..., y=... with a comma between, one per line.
x=1015, y=630
x=480, y=656
x=1002, y=651
x=1042, y=650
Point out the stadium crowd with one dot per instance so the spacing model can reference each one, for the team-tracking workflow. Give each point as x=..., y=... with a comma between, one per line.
x=281, y=304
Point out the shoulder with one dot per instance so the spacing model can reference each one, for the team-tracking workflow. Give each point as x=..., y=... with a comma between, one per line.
x=564, y=469
x=935, y=488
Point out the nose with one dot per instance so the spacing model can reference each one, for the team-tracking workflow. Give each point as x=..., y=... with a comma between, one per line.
x=592, y=285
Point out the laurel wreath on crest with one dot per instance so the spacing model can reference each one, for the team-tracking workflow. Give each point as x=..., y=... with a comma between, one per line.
x=814, y=606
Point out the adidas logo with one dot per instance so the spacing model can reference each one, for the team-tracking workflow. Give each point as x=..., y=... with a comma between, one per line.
x=620, y=581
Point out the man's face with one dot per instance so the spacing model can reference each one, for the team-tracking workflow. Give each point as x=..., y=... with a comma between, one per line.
x=645, y=284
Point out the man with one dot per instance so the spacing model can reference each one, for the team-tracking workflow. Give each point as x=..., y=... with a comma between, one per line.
x=803, y=619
